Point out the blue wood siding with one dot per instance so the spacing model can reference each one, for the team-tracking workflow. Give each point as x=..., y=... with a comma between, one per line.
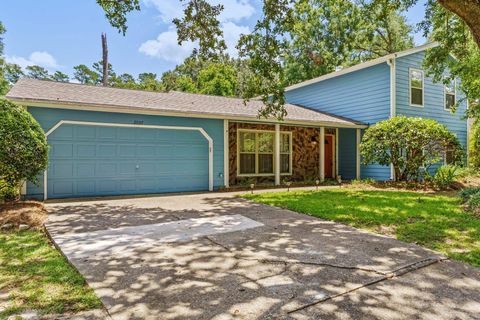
x=362, y=95
x=434, y=107
x=112, y=150
x=347, y=153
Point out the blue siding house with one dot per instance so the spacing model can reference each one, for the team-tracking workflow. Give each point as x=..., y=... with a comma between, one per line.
x=107, y=141
x=377, y=90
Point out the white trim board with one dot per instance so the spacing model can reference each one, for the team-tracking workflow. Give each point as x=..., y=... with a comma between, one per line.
x=141, y=111
x=126, y=125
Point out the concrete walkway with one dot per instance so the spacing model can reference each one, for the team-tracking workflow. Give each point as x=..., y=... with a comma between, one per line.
x=214, y=256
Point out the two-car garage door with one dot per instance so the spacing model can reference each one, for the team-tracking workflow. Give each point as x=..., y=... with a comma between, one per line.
x=99, y=160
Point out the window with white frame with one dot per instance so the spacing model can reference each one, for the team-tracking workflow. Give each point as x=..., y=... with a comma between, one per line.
x=416, y=87
x=256, y=152
x=450, y=95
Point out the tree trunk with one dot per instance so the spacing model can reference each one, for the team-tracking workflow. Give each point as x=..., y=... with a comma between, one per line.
x=468, y=11
x=105, y=59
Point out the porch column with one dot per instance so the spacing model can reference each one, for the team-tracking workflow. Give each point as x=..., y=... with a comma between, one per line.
x=359, y=139
x=226, y=155
x=322, y=154
x=277, y=154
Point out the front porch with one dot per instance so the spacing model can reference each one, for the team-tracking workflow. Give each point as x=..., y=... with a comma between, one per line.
x=265, y=153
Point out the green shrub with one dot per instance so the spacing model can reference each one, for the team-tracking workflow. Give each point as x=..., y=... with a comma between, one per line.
x=474, y=201
x=408, y=144
x=467, y=193
x=474, y=149
x=444, y=176
x=23, y=147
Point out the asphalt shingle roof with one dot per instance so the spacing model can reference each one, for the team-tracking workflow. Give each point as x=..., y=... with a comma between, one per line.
x=50, y=92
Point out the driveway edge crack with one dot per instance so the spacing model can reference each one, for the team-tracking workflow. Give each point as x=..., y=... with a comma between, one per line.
x=396, y=273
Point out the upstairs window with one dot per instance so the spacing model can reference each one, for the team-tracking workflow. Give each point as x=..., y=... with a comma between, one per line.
x=416, y=87
x=256, y=152
x=450, y=98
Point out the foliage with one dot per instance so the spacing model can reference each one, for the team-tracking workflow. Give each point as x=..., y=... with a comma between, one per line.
x=468, y=193
x=328, y=34
x=474, y=202
x=116, y=12
x=37, y=276
x=458, y=56
x=37, y=72
x=200, y=23
x=408, y=144
x=4, y=86
x=59, y=77
x=435, y=221
x=445, y=176
x=218, y=79
x=474, y=152
x=23, y=147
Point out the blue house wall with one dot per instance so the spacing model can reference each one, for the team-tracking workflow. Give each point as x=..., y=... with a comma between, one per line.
x=363, y=95
x=434, y=95
x=48, y=117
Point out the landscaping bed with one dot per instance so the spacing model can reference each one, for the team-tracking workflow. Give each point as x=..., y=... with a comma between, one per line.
x=435, y=220
x=33, y=274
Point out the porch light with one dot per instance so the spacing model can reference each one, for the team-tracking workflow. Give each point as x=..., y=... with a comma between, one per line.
x=313, y=140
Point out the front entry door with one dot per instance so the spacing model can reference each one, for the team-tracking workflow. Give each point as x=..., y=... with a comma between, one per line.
x=329, y=147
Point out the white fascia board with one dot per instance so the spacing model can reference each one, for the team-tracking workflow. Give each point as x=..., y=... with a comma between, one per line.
x=139, y=111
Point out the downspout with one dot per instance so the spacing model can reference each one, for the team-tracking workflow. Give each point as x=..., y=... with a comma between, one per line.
x=393, y=100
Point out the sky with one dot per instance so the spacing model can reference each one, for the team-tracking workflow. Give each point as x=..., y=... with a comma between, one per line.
x=60, y=34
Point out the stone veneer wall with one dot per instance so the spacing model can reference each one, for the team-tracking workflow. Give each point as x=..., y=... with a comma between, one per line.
x=305, y=154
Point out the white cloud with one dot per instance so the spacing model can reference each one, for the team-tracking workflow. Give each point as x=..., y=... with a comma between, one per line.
x=40, y=58
x=233, y=10
x=166, y=47
x=231, y=34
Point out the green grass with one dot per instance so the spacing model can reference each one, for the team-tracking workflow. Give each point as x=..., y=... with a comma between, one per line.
x=435, y=221
x=36, y=276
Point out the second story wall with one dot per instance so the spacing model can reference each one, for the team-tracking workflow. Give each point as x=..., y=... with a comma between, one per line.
x=433, y=98
x=363, y=95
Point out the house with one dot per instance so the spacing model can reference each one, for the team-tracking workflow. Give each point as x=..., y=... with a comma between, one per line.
x=109, y=141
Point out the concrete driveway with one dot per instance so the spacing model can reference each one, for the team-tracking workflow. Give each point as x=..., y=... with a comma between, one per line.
x=217, y=257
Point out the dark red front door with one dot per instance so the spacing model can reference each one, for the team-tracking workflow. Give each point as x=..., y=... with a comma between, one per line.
x=329, y=156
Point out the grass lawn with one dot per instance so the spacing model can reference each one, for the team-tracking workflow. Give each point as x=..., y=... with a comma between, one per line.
x=34, y=275
x=432, y=220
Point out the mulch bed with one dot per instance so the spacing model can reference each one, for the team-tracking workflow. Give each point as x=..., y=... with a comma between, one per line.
x=31, y=213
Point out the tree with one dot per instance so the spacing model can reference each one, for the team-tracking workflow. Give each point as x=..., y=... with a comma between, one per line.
x=148, y=81
x=23, y=146
x=408, y=144
x=218, y=79
x=60, y=77
x=327, y=34
x=4, y=85
x=457, y=56
x=116, y=12
x=85, y=75
x=474, y=151
x=37, y=72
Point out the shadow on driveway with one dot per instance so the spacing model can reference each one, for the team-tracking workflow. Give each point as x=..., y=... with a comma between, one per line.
x=287, y=266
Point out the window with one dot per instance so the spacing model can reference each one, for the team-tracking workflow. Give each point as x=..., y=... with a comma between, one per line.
x=256, y=152
x=416, y=87
x=449, y=157
x=450, y=95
